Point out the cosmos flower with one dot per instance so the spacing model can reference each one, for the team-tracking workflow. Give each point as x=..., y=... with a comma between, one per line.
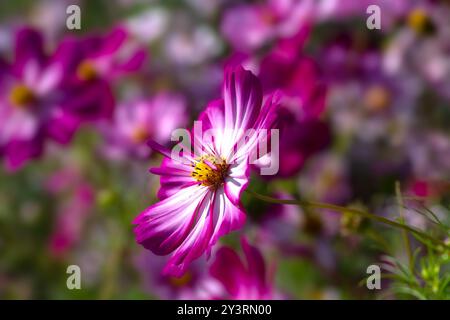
x=279, y=229
x=70, y=220
x=106, y=57
x=137, y=121
x=34, y=105
x=200, y=196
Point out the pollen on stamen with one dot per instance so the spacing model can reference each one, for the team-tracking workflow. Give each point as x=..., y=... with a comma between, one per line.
x=210, y=171
x=21, y=96
x=86, y=71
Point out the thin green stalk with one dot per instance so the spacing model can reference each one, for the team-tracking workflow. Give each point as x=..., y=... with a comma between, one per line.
x=404, y=232
x=349, y=210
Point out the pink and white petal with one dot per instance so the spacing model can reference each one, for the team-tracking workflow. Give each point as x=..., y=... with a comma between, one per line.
x=49, y=79
x=237, y=181
x=212, y=120
x=28, y=47
x=228, y=216
x=196, y=242
x=174, y=176
x=164, y=226
x=261, y=131
x=213, y=115
x=242, y=103
x=171, y=111
x=31, y=72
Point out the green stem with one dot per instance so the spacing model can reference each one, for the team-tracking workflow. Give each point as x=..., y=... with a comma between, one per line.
x=337, y=208
x=404, y=232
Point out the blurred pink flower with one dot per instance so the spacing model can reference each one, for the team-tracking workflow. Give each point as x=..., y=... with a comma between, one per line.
x=137, y=121
x=72, y=212
x=34, y=103
x=244, y=279
x=299, y=78
x=195, y=284
x=228, y=277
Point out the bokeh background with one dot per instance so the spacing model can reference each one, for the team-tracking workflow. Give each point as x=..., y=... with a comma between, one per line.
x=364, y=111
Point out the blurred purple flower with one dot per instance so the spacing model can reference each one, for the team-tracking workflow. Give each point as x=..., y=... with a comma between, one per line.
x=249, y=26
x=429, y=153
x=326, y=179
x=32, y=102
x=364, y=100
x=244, y=279
x=48, y=96
x=192, y=45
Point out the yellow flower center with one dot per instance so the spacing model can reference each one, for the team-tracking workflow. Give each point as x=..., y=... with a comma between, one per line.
x=21, y=96
x=377, y=98
x=182, y=281
x=86, y=71
x=210, y=171
x=418, y=20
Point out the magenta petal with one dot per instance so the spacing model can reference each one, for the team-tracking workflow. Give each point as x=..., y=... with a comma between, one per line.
x=163, y=226
x=133, y=63
x=91, y=101
x=62, y=127
x=242, y=280
x=255, y=265
x=17, y=152
x=228, y=269
x=242, y=98
x=28, y=47
x=112, y=42
x=228, y=216
x=213, y=116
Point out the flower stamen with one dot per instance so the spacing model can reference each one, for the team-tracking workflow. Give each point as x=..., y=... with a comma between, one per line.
x=210, y=171
x=21, y=96
x=86, y=71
